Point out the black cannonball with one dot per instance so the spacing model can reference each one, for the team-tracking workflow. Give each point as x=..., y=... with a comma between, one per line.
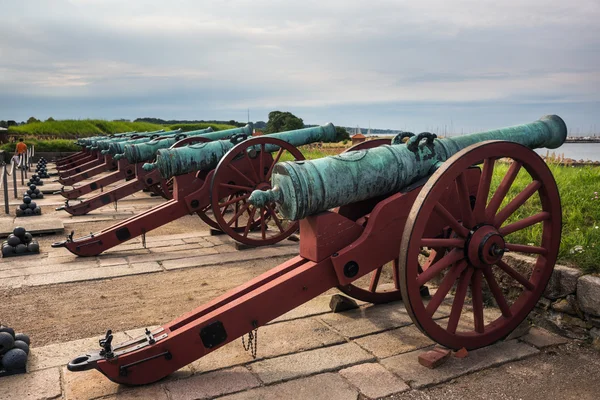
x=27, y=200
x=22, y=345
x=33, y=247
x=13, y=241
x=29, y=192
x=23, y=337
x=28, y=211
x=23, y=206
x=36, y=191
x=7, y=342
x=32, y=205
x=21, y=248
x=34, y=176
x=19, y=231
x=34, y=196
x=27, y=238
x=19, y=212
x=32, y=187
x=14, y=359
x=37, y=211
x=7, y=329
x=7, y=250
x=40, y=196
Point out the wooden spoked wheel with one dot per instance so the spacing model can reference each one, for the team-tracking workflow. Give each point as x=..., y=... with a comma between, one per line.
x=245, y=168
x=382, y=285
x=485, y=220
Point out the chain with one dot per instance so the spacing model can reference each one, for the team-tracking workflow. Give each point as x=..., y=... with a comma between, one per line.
x=115, y=204
x=252, y=340
x=144, y=238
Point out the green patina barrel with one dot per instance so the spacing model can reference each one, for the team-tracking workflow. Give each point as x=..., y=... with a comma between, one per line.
x=103, y=144
x=116, y=148
x=147, y=151
x=305, y=188
x=206, y=156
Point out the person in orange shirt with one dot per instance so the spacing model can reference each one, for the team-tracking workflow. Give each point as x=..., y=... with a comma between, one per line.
x=21, y=148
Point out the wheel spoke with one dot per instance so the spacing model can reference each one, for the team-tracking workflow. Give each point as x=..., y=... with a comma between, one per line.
x=275, y=160
x=262, y=223
x=445, y=287
x=447, y=243
x=395, y=274
x=236, y=187
x=251, y=167
x=375, y=279
x=464, y=201
x=234, y=200
x=517, y=202
x=515, y=275
x=459, y=300
x=238, y=214
x=275, y=218
x=241, y=174
x=477, y=296
x=497, y=292
x=502, y=190
x=250, y=220
x=524, y=223
x=454, y=224
x=521, y=248
x=483, y=191
x=434, y=269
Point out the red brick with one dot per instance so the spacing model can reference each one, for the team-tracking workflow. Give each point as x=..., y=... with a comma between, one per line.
x=434, y=358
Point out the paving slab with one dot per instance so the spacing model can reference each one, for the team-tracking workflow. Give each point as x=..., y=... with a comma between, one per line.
x=154, y=392
x=50, y=187
x=211, y=385
x=541, y=338
x=273, y=340
x=40, y=385
x=368, y=320
x=329, y=386
x=318, y=305
x=394, y=342
x=407, y=366
x=310, y=362
x=35, y=225
x=373, y=380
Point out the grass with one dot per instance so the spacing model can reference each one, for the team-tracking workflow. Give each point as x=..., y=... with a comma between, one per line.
x=64, y=145
x=579, y=189
x=81, y=128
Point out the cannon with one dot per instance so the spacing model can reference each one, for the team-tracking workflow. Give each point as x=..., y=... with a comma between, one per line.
x=107, y=149
x=196, y=168
x=136, y=155
x=439, y=219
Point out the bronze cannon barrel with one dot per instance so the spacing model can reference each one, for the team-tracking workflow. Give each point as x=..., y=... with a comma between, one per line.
x=305, y=188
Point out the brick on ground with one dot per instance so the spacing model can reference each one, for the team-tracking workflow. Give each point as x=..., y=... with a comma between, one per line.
x=407, y=367
x=310, y=362
x=373, y=380
x=328, y=386
x=273, y=340
x=541, y=338
x=211, y=385
x=31, y=386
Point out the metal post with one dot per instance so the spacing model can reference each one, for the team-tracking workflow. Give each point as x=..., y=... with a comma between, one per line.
x=21, y=159
x=5, y=185
x=14, y=175
x=25, y=160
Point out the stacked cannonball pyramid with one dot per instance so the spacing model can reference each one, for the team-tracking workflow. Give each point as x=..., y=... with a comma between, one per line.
x=35, y=180
x=14, y=349
x=41, y=170
x=29, y=207
x=19, y=243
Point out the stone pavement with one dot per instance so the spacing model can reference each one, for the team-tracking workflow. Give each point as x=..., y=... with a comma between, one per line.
x=309, y=353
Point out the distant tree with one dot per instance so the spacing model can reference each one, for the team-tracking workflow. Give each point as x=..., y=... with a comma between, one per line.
x=50, y=119
x=260, y=124
x=283, y=121
x=32, y=120
x=341, y=134
x=10, y=123
x=3, y=124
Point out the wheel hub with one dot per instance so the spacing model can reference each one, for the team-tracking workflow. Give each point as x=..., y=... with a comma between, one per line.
x=485, y=247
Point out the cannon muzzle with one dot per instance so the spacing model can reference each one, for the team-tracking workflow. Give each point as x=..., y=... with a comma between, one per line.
x=118, y=147
x=305, y=188
x=206, y=156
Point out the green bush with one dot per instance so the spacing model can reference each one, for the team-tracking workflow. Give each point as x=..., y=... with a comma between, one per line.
x=44, y=145
x=81, y=128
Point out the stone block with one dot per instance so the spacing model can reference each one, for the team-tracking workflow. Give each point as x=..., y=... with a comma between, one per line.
x=395, y=341
x=541, y=338
x=38, y=385
x=154, y=392
x=339, y=303
x=310, y=362
x=373, y=380
x=211, y=385
x=588, y=294
x=434, y=358
x=562, y=282
x=329, y=386
x=407, y=367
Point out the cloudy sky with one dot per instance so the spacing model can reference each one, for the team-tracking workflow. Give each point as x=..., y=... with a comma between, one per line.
x=418, y=64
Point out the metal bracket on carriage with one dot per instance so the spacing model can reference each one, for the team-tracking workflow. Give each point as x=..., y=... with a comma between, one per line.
x=413, y=142
x=64, y=242
x=239, y=138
